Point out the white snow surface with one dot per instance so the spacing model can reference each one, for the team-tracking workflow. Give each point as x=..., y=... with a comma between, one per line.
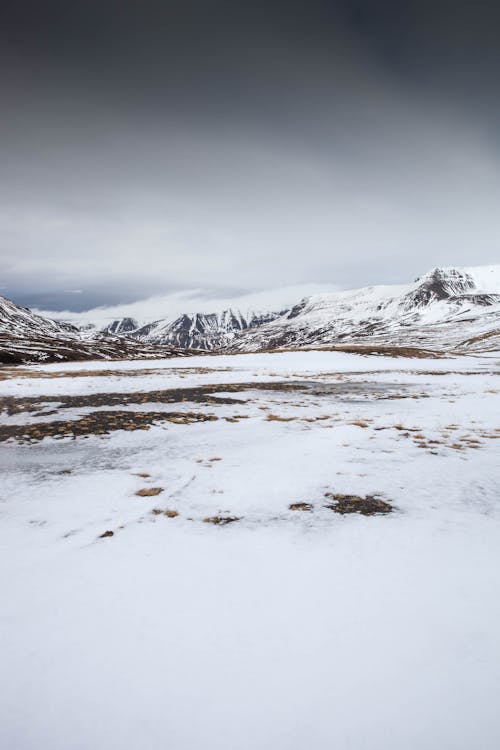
x=286, y=629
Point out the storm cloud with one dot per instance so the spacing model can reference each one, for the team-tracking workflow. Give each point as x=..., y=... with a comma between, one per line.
x=153, y=147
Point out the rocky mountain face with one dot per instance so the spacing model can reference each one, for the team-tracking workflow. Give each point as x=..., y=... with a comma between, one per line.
x=27, y=337
x=205, y=332
x=122, y=327
x=446, y=309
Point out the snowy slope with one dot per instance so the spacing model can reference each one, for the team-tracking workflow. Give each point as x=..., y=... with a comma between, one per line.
x=443, y=309
x=202, y=331
x=122, y=326
x=28, y=337
x=18, y=321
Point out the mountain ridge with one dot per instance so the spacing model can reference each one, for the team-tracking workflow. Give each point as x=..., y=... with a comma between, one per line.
x=446, y=310
x=203, y=331
x=430, y=311
x=27, y=337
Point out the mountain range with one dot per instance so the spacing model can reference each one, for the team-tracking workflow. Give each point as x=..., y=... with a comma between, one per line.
x=446, y=310
x=27, y=337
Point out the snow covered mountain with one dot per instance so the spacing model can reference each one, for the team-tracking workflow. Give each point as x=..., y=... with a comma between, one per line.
x=445, y=309
x=207, y=332
x=19, y=321
x=122, y=327
x=27, y=337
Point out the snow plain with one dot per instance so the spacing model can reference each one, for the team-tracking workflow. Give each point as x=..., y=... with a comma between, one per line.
x=285, y=629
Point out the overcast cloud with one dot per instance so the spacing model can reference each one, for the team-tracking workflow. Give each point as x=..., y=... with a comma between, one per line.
x=151, y=148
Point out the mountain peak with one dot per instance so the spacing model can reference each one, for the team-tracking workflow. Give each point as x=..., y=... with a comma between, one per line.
x=205, y=331
x=122, y=326
x=439, y=284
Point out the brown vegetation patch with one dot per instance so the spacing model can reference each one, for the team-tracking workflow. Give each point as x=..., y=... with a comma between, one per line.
x=104, y=422
x=386, y=351
x=221, y=520
x=480, y=338
x=167, y=513
x=300, y=506
x=367, y=506
x=99, y=423
x=149, y=492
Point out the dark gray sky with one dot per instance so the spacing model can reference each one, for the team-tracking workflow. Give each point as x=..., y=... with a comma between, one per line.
x=152, y=147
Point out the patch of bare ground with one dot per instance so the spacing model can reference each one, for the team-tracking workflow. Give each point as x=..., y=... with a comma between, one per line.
x=482, y=338
x=206, y=394
x=106, y=534
x=7, y=373
x=366, y=506
x=410, y=352
x=167, y=513
x=149, y=491
x=316, y=419
x=276, y=418
x=98, y=423
x=491, y=435
x=221, y=520
x=300, y=506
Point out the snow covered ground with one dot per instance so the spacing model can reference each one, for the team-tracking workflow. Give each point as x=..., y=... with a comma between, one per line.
x=284, y=629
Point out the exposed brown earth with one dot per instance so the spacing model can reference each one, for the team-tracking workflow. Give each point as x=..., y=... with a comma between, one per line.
x=367, y=506
x=221, y=520
x=99, y=423
x=104, y=422
x=7, y=373
x=149, y=491
x=411, y=352
x=167, y=513
x=205, y=394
